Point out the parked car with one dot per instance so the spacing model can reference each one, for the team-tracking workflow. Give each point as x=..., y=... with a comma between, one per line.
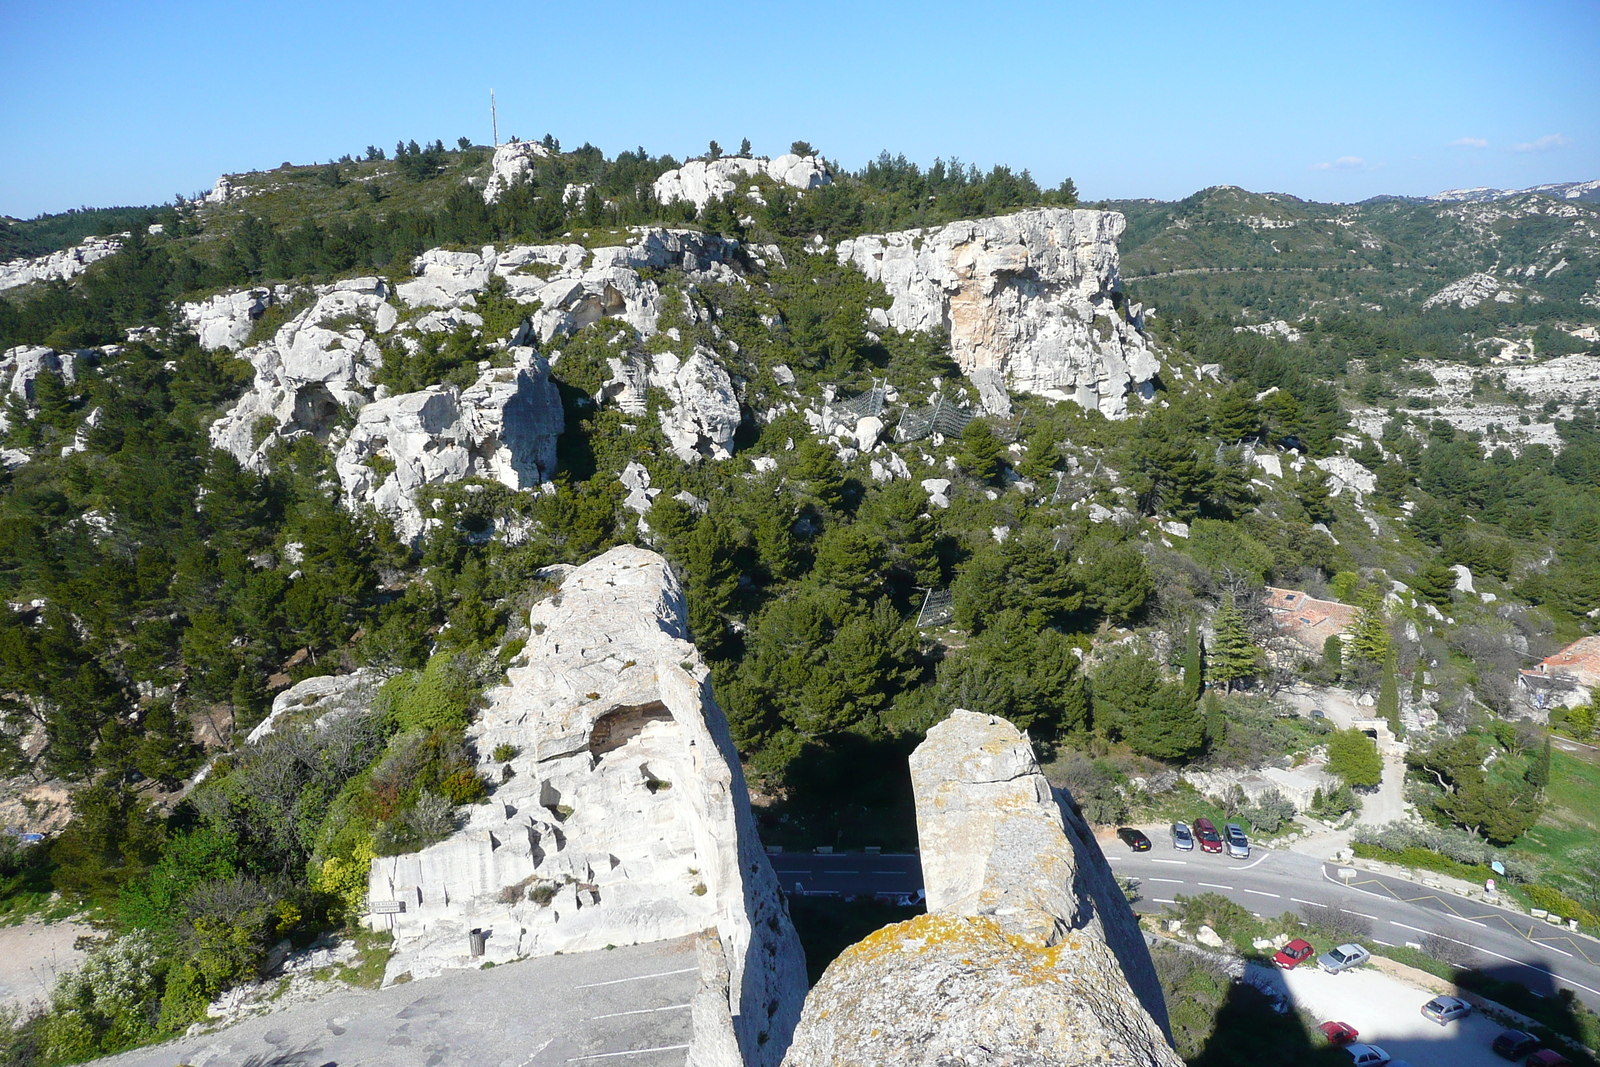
x=1182, y=839
x=1238, y=844
x=1547, y=1057
x=1367, y=1055
x=1339, y=1033
x=1206, y=832
x=1134, y=839
x=1293, y=954
x=1343, y=958
x=1514, y=1044
x=1446, y=1009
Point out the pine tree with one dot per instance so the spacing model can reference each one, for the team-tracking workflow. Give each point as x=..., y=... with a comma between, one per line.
x=1368, y=640
x=982, y=454
x=1434, y=583
x=1237, y=416
x=1314, y=495
x=1233, y=654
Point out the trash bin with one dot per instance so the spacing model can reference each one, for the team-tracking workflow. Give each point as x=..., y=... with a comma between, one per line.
x=476, y=939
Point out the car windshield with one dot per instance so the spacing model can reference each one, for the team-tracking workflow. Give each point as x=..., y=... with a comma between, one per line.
x=1340, y=956
x=1208, y=833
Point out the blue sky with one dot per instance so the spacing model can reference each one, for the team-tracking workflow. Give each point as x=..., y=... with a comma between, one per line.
x=131, y=103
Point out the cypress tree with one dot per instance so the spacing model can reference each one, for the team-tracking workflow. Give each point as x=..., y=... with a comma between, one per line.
x=1233, y=654
x=1389, y=695
x=1192, y=675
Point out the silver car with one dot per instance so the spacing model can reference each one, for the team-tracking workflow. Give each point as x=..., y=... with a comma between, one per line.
x=1237, y=844
x=1182, y=839
x=1446, y=1009
x=1343, y=958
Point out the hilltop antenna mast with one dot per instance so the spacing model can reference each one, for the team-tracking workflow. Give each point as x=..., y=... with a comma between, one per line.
x=494, y=119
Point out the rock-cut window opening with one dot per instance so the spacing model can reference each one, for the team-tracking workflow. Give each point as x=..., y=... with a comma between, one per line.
x=620, y=725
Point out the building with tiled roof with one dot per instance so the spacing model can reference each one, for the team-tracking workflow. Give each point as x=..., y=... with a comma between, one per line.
x=1309, y=621
x=1568, y=678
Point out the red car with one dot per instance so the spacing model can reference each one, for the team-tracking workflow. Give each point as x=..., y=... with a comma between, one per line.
x=1205, y=831
x=1547, y=1058
x=1340, y=1034
x=1293, y=954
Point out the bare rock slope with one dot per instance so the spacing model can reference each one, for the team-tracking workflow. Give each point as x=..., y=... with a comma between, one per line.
x=1035, y=296
x=624, y=818
x=1028, y=953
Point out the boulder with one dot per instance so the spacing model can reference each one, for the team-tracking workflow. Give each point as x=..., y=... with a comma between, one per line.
x=1209, y=937
x=938, y=490
x=625, y=817
x=702, y=411
x=1028, y=953
x=1345, y=473
x=58, y=266
x=504, y=427
x=1463, y=578
x=1033, y=296
x=512, y=163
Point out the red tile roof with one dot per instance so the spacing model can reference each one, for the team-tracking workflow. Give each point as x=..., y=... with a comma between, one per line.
x=1579, y=661
x=1305, y=618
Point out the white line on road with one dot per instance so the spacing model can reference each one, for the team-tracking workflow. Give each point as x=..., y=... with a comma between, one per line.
x=1213, y=885
x=1259, y=893
x=1474, y=922
x=639, y=1011
x=627, y=1052
x=1180, y=863
x=1508, y=959
x=1159, y=900
x=1174, y=881
x=1313, y=903
x=1385, y=944
x=1363, y=914
x=637, y=978
x=1247, y=866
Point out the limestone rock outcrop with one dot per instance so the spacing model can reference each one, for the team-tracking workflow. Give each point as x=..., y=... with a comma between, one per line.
x=622, y=818
x=701, y=181
x=225, y=320
x=704, y=410
x=1035, y=295
x=574, y=285
x=1028, y=953
x=317, y=364
x=504, y=427
x=67, y=263
x=1471, y=291
x=21, y=366
x=512, y=163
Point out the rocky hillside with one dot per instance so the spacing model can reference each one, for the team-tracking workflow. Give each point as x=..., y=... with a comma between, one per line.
x=909, y=439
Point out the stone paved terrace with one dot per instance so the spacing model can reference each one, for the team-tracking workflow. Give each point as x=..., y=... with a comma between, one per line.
x=627, y=1007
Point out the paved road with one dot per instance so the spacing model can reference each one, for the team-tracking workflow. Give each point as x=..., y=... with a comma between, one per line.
x=849, y=874
x=627, y=1007
x=1500, y=942
x=1503, y=943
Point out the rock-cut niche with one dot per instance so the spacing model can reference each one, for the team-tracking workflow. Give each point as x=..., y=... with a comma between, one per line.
x=620, y=725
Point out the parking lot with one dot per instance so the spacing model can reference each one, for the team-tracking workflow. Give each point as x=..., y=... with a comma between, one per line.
x=1388, y=1013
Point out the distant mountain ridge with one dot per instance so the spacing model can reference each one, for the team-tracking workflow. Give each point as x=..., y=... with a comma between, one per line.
x=1588, y=192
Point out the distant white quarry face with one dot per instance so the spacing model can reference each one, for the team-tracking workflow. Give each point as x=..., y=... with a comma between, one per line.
x=58, y=266
x=512, y=163
x=1034, y=296
x=701, y=181
x=624, y=817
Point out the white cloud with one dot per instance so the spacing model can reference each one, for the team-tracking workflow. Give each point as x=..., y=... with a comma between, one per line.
x=1548, y=143
x=1342, y=163
x=1469, y=142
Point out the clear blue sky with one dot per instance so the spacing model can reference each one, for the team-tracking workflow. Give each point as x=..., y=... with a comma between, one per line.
x=127, y=103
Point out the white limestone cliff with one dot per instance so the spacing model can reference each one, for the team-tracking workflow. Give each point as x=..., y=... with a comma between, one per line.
x=504, y=427
x=1034, y=295
x=623, y=818
x=58, y=266
x=21, y=366
x=512, y=163
x=703, y=410
x=701, y=181
x=1028, y=953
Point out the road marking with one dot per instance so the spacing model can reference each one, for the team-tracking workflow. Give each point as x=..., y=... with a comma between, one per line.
x=640, y=1011
x=1213, y=885
x=1160, y=900
x=1181, y=863
x=627, y=1052
x=1508, y=959
x=1474, y=922
x=637, y=978
x=1174, y=881
x=1313, y=903
x=1385, y=944
x=1247, y=866
x=1364, y=915
x=1259, y=893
